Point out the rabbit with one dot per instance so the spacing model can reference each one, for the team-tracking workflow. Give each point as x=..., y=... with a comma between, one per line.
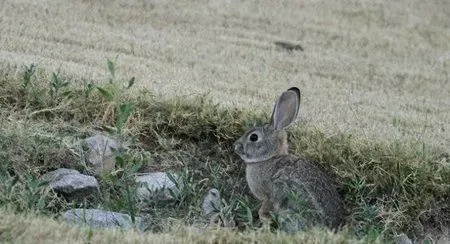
x=289, y=186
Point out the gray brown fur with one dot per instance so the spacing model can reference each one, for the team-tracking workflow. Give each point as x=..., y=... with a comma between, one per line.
x=273, y=175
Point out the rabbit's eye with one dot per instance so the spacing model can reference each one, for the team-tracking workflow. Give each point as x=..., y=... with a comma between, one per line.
x=253, y=137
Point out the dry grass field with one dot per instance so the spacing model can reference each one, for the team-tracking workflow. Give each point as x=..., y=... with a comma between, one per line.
x=379, y=69
x=375, y=112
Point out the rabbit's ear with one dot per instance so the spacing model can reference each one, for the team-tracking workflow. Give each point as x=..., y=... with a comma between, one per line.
x=286, y=108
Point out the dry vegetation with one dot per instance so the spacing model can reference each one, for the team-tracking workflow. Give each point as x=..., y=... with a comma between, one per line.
x=387, y=187
x=375, y=108
x=375, y=68
x=50, y=231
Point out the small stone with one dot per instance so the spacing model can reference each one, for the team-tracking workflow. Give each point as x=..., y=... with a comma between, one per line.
x=100, y=153
x=211, y=202
x=402, y=239
x=155, y=186
x=97, y=218
x=212, y=210
x=71, y=183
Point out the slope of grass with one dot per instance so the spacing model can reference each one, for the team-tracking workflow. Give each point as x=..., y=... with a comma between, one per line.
x=376, y=69
x=388, y=187
x=38, y=229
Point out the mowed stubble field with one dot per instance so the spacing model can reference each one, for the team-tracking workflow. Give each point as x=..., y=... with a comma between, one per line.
x=378, y=69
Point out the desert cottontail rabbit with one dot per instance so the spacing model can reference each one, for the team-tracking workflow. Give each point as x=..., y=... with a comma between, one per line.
x=288, y=186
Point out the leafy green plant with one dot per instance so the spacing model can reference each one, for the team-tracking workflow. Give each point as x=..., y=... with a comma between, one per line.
x=34, y=196
x=246, y=212
x=115, y=93
x=28, y=194
x=124, y=113
x=121, y=187
x=56, y=84
x=112, y=69
x=238, y=212
x=31, y=93
x=88, y=88
x=28, y=75
x=188, y=188
x=88, y=235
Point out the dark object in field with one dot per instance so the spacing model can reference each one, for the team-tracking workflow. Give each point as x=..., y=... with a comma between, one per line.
x=288, y=46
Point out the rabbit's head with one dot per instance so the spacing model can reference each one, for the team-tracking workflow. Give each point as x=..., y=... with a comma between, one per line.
x=270, y=140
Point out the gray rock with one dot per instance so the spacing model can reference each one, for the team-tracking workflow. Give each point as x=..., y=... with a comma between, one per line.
x=71, y=183
x=155, y=186
x=402, y=239
x=97, y=218
x=100, y=153
x=213, y=206
x=211, y=202
x=57, y=174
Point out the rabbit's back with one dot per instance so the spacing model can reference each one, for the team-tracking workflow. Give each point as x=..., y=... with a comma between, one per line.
x=278, y=177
